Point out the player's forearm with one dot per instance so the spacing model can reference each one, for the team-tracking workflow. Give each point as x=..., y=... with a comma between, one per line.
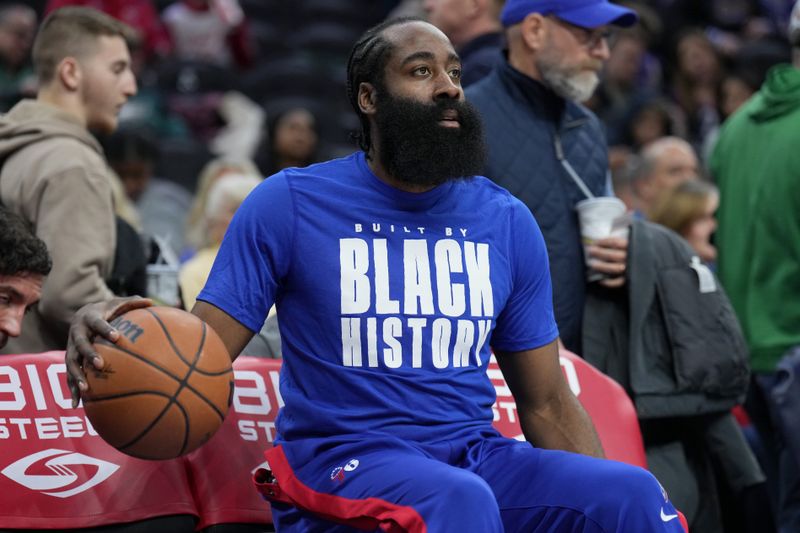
x=234, y=335
x=562, y=424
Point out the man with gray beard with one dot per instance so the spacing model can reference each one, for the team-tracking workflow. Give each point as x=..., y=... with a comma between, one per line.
x=542, y=142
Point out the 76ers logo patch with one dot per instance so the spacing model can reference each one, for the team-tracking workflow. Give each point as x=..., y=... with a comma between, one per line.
x=337, y=474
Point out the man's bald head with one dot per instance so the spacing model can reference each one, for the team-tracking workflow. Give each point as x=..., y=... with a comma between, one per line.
x=664, y=164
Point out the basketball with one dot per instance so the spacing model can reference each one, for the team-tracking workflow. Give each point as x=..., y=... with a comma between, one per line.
x=165, y=387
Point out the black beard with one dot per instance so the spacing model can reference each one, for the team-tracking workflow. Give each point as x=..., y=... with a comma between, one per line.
x=415, y=149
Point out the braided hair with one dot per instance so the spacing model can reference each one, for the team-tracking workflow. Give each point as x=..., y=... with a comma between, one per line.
x=367, y=63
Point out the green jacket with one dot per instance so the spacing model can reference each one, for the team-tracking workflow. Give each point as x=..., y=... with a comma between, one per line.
x=756, y=164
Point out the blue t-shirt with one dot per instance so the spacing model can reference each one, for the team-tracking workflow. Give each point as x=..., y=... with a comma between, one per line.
x=388, y=300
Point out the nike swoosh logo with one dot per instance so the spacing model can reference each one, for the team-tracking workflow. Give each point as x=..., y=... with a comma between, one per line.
x=667, y=517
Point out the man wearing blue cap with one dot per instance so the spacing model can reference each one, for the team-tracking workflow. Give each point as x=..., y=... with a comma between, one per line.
x=542, y=142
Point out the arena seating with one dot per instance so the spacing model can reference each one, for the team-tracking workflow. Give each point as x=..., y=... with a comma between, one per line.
x=55, y=473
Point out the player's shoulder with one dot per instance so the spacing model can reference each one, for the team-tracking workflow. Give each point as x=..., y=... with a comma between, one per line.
x=489, y=192
x=495, y=203
x=332, y=169
x=325, y=177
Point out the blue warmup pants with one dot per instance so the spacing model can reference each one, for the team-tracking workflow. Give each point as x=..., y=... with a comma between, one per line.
x=487, y=485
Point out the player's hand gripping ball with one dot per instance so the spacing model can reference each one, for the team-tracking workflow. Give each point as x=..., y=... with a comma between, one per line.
x=165, y=387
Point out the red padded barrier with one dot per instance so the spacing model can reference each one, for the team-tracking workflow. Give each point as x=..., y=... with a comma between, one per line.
x=606, y=402
x=222, y=469
x=55, y=472
x=609, y=407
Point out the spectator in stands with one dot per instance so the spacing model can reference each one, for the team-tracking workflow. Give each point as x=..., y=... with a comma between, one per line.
x=698, y=72
x=745, y=74
x=648, y=119
x=383, y=405
x=621, y=86
x=54, y=174
x=473, y=26
x=756, y=165
x=292, y=140
x=663, y=164
x=213, y=31
x=735, y=89
x=212, y=171
x=224, y=198
x=149, y=34
x=132, y=156
x=542, y=141
x=688, y=209
x=24, y=265
x=17, y=29
x=241, y=134
x=624, y=166
x=632, y=75
x=624, y=65
x=162, y=205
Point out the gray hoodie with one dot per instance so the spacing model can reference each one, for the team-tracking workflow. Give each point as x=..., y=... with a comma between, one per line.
x=54, y=175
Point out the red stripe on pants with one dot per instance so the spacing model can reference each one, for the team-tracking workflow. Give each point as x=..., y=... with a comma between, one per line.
x=368, y=513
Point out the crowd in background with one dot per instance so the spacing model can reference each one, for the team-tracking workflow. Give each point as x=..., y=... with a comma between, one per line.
x=261, y=82
x=232, y=91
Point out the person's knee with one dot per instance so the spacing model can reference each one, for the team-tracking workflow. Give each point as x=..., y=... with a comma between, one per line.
x=468, y=503
x=452, y=500
x=638, y=497
x=632, y=483
x=643, y=482
x=467, y=494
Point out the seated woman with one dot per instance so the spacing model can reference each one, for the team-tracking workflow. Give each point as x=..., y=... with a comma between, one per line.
x=224, y=198
x=292, y=140
x=688, y=209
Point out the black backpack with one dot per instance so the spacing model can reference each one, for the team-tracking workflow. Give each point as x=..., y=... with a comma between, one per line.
x=129, y=274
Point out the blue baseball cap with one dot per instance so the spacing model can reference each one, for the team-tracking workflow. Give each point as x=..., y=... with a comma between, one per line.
x=583, y=13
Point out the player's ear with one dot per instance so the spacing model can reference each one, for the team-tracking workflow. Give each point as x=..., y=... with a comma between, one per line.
x=366, y=98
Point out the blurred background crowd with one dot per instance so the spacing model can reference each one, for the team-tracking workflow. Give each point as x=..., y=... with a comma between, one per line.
x=258, y=85
x=240, y=89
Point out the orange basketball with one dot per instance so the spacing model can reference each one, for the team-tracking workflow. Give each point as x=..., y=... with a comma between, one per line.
x=165, y=387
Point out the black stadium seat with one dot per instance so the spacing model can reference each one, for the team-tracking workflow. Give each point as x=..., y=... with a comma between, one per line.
x=181, y=160
x=282, y=77
x=270, y=40
x=187, y=77
x=357, y=14
x=326, y=42
x=270, y=11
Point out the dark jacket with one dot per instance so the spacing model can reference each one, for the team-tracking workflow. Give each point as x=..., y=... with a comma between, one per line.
x=672, y=340
x=523, y=120
x=679, y=351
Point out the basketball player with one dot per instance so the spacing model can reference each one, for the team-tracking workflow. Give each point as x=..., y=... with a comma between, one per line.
x=394, y=270
x=24, y=265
